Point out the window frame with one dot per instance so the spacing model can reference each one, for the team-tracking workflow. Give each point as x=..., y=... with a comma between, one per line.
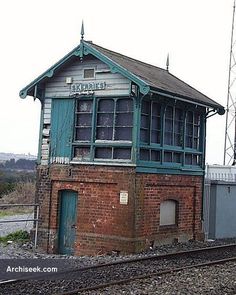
x=178, y=151
x=89, y=68
x=94, y=143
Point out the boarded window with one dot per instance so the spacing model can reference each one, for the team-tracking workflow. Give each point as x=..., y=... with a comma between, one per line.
x=88, y=73
x=168, y=211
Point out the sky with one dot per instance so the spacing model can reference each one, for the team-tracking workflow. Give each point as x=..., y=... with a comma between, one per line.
x=35, y=34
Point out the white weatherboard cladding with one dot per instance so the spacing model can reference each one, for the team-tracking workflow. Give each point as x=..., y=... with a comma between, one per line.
x=56, y=87
x=46, y=131
x=116, y=84
x=47, y=111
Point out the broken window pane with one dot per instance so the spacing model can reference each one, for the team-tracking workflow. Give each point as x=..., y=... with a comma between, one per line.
x=82, y=153
x=84, y=106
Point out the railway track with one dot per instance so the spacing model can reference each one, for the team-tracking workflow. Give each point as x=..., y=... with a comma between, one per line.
x=121, y=272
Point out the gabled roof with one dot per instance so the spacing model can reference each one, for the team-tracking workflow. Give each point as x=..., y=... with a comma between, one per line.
x=149, y=78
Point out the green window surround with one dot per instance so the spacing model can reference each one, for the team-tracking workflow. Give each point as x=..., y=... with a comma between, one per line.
x=177, y=130
x=103, y=129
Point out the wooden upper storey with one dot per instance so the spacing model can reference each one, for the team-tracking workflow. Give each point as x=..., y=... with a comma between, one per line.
x=102, y=107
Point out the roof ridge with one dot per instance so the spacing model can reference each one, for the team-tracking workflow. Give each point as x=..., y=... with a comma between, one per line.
x=126, y=56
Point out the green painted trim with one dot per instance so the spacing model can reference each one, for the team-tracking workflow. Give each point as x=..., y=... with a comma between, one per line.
x=116, y=68
x=48, y=73
x=219, y=108
x=83, y=49
x=136, y=128
x=141, y=169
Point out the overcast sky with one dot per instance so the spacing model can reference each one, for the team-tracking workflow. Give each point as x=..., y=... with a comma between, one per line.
x=35, y=34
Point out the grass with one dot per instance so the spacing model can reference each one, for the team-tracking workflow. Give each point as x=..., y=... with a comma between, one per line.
x=20, y=236
x=15, y=211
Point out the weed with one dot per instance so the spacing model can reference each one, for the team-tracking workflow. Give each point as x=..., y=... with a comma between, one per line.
x=20, y=236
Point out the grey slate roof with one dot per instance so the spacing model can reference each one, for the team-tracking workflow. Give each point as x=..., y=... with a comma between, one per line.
x=157, y=78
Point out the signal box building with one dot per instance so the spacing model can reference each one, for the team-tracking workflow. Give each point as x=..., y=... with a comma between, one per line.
x=121, y=154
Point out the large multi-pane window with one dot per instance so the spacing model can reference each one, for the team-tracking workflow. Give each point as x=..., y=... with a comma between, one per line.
x=192, y=130
x=169, y=134
x=150, y=130
x=114, y=119
x=173, y=128
x=103, y=129
x=83, y=125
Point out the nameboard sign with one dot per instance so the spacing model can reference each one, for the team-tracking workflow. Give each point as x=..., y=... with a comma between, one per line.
x=87, y=87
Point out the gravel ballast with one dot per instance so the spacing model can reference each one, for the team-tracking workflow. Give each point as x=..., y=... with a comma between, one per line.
x=219, y=279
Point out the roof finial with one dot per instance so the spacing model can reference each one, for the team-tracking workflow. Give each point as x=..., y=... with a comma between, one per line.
x=82, y=30
x=167, y=63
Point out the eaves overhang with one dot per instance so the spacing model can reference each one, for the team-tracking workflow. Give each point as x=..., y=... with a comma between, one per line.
x=83, y=49
x=214, y=106
x=29, y=89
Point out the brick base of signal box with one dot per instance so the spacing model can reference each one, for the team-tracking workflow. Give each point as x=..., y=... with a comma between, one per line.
x=103, y=223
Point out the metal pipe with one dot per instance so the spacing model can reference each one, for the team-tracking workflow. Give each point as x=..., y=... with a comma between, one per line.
x=18, y=220
x=19, y=205
x=36, y=228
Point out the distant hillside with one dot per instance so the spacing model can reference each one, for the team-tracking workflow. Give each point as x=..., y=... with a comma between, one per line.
x=21, y=164
x=8, y=156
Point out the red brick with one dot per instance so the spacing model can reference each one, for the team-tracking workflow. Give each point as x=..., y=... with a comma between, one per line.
x=103, y=223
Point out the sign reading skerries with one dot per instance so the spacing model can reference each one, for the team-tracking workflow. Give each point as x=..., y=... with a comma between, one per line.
x=81, y=88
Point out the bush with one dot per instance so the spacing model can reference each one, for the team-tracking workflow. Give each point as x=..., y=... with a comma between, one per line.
x=23, y=193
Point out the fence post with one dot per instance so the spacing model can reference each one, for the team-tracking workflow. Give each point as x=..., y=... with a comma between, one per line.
x=36, y=228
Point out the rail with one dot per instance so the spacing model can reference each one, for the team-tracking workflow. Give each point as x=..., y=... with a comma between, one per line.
x=36, y=206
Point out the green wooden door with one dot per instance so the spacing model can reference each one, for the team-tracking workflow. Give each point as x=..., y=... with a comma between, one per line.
x=67, y=222
x=62, y=129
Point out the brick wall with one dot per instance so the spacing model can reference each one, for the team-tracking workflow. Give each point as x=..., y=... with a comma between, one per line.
x=105, y=225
